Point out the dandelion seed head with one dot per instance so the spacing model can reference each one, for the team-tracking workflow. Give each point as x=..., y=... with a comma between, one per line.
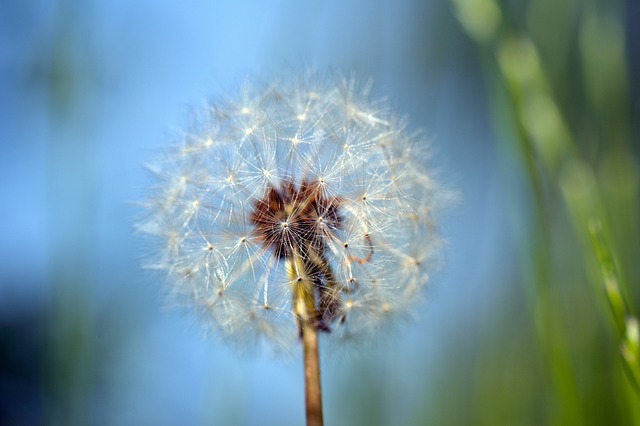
x=307, y=180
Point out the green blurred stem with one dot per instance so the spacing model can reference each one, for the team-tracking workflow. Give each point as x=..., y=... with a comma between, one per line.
x=499, y=48
x=549, y=326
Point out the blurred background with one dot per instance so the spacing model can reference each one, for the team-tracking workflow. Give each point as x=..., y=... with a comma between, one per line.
x=533, y=111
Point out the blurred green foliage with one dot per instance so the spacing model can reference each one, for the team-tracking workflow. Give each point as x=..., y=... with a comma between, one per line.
x=566, y=350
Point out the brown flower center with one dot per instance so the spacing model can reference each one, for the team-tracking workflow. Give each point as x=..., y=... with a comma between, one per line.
x=296, y=221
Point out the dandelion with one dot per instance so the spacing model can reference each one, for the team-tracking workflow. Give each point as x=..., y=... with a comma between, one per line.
x=297, y=208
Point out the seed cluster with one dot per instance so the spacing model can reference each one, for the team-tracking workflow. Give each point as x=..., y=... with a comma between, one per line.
x=307, y=181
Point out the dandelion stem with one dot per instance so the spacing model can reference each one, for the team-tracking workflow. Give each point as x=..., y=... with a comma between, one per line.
x=313, y=392
x=304, y=307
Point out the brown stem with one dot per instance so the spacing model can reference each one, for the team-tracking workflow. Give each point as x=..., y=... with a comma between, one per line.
x=304, y=308
x=313, y=392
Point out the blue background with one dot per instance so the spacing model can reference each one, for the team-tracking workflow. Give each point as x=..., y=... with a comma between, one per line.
x=90, y=90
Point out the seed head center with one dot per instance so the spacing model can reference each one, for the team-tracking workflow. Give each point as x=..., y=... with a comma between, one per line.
x=296, y=219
